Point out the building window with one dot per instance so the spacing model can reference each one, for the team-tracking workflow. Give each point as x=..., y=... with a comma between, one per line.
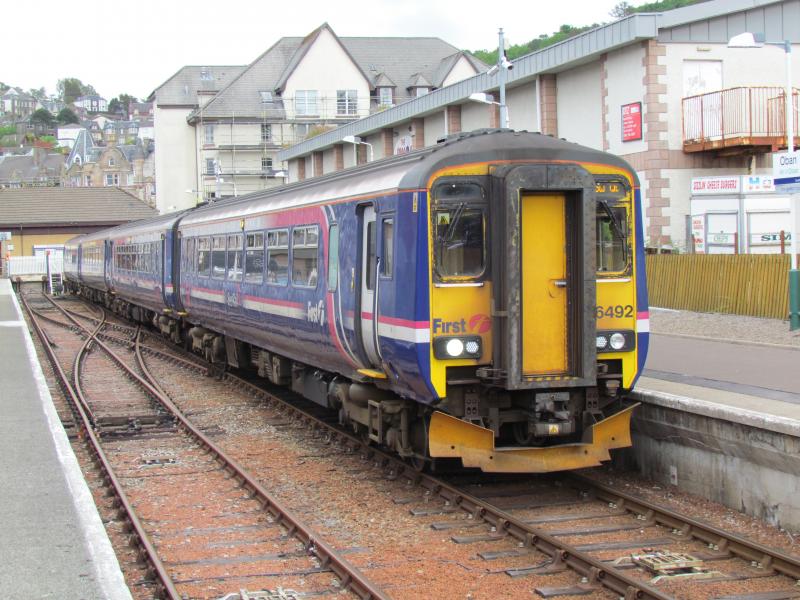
x=421, y=91
x=208, y=134
x=77, y=160
x=385, y=96
x=266, y=164
x=266, y=132
x=111, y=161
x=205, y=74
x=210, y=166
x=305, y=102
x=266, y=96
x=88, y=181
x=131, y=179
x=112, y=179
x=346, y=102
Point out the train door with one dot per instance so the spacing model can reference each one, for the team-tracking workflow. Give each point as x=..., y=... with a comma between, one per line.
x=544, y=284
x=369, y=280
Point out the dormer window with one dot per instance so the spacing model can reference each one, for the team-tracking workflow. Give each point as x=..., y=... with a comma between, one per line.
x=385, y=96
x=266, y=96
x=205, y=74
x=111, y=161
x=421, y=91
x=77, y=160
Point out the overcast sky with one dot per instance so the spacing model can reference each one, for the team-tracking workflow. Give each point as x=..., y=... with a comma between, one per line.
x=133, y=47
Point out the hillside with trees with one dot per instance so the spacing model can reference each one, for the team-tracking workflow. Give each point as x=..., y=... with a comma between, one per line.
x=622, y=9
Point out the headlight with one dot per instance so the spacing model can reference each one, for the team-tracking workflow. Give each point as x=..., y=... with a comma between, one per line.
x=617, y=341
x=467, y=346
x=454, y=347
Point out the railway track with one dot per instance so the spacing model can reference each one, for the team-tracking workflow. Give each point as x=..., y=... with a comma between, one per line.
x=532, y=527
x=161, y=488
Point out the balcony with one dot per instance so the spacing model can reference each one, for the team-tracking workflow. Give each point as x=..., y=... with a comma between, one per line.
x=742, y=120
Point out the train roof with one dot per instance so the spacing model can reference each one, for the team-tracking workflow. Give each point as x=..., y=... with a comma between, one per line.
x=155, y=225
x=408, y=171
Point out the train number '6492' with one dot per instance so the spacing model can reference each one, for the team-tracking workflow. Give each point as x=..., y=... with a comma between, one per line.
x=617, y=311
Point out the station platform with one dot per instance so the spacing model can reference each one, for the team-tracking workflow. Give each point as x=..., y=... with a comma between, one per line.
x=54, y=544
x=755, y=384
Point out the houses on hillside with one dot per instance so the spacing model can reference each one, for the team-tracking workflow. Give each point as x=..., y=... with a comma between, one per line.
x=219, y=128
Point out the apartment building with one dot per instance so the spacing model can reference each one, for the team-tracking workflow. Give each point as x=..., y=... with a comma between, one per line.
x=219, y=129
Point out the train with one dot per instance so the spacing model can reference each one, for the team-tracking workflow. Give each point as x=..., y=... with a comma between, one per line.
x=483, y=299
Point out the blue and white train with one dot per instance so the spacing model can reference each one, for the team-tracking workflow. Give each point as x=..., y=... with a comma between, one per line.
x=483, y=299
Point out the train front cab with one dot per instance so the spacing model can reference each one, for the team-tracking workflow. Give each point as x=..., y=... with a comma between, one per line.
x=533, y=314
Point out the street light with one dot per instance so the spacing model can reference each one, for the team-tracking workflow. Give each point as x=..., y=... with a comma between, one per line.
x=750, y=40
x=501, y=68
x=355, y=140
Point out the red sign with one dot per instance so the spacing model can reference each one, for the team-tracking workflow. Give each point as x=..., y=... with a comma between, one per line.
x=631, y=122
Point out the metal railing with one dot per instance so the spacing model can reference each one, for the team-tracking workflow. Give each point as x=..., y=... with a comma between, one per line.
x=21, y=266
x=741, y=112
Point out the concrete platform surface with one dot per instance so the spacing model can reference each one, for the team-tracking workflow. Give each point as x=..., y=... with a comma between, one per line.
x=53, y=543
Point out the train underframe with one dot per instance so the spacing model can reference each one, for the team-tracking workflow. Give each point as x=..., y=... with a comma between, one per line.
x=485, y=426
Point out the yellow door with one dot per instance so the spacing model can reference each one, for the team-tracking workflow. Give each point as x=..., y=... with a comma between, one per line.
x=544, y=285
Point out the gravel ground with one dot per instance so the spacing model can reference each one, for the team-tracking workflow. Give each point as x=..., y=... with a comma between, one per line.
x=723, y=327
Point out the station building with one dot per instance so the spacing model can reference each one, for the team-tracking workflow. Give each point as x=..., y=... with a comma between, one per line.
x=36, y=220
x=665, y=91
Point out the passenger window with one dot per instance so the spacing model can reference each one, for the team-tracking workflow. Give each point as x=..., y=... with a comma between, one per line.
x=218, y=257
x=333, y=258
x=234, y=262
x=278, y=256
x=254, y=258
x=304, y=256
x=203, y=256
x=189, y=258
x=387, y=248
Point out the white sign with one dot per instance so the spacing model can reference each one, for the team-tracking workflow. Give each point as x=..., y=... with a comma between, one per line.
x=716, y=185
x=699, y=234
x=757, y=239
x=5, y=235
x=758, y=183
x=404, y=145
x=786, y=171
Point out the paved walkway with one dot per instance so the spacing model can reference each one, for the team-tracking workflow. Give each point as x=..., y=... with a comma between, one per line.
x=53, y=543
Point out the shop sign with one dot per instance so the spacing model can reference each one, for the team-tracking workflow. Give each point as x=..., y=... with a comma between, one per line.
x=716, y=185
x=761, y=239
x=631, y=122
x=721, y=238
x=758, y=183
x=699, y=234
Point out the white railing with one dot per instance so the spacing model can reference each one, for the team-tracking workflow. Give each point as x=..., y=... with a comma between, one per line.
x=31, y=265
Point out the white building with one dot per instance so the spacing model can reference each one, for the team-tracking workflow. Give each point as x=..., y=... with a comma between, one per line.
x=664, y=91
x=240, y=117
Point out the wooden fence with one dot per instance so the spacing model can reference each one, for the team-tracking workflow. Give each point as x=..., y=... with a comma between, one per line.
x=742, y=284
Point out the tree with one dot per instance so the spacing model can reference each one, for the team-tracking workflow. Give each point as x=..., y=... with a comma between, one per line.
x=38, y=93
x=71, y=88
x=121, y=103
x=622, y=9
x=66, y=116
x=43, y=116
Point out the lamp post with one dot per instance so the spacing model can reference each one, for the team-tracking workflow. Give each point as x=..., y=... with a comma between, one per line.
x=355, y=140
x=501, y=68
x=750, y=40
